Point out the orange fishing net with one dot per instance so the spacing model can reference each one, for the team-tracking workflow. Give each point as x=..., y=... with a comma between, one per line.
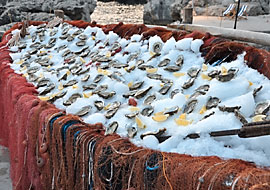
x=52, y=150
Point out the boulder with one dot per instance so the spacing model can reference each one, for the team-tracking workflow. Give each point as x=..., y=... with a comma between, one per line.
x=163, y=12
x=14, y=11
x=255, y=8
x=129, y=2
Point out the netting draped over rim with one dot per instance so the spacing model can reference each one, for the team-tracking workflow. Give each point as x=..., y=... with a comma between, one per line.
x=52, y=150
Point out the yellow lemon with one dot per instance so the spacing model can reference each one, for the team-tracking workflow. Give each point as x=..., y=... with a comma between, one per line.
x=82, y=60
x=151, y=70
x=176, y=74
x=60, y=87
x=204, y=67
x=140, y=123
x=44, y=98
x=160, y=118
x=224, y=70
x=205, y=77
x=203, y=110
x=87, y=95
x=182, y=122
x=130, y=84
x=134, y=109
x=257, y=118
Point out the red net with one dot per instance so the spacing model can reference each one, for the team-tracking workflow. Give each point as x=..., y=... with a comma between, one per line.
x=52, y=150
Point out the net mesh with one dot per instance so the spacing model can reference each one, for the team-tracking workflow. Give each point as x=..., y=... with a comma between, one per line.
x=52, y=150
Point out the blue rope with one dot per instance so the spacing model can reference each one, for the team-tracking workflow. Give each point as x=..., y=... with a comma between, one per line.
x=66, y=126
x=53, y=120
x=151, y=168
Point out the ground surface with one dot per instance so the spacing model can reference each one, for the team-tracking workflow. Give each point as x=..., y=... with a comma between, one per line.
x=113, y=12
x=5, y=183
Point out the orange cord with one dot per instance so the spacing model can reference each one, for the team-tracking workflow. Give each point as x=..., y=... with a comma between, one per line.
x=164, y=172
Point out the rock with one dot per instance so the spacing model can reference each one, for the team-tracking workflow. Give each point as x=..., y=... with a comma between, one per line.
x=129, y=2
x=163, y=12
x=13, y=11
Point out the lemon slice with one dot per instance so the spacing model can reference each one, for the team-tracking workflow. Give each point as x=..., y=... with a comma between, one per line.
x=107, y=107
x=130, y=84
x=82, y=60
x=204, y=67
x=134, y=109
x=140, y=123
x=22, y=69
x=224, y=70
x=19, y=62
x=151, y=70
x=203, y=110
x=60, y=87
x=105, y=72
x=205, y=77
x=160, y=118
x=152, y=53
x=87, y=95
x=41, y=75
x=183, y=116
x=176, y=74
x=44, y=98
x=25, y=75
x=257, y=118
x=182, y=122
x=108, y=54
x=159, y=113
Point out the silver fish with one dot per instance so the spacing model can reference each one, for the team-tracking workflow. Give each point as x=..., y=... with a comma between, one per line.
x=179, y=61
x=190, y=106
x=147, y=111
x=171, y=111
x=212, y=102
x=99, y=104
x=141, y=93
x=165, y=89
x=136, y=85
x=164, y=62
x=150, y=99
x=98, y=78
x=131, y=131
x=84, y=111
x=262, y=108
x=112, y=128
x=172, y=68
x=193, y=72
x=132, y=115
x=157, y=47
x=229, y=109
x=189, y=83
x=70, y=83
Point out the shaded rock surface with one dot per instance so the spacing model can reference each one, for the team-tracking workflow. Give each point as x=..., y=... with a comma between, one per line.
x=165, y=12
x=129, y=2
x=14, y=11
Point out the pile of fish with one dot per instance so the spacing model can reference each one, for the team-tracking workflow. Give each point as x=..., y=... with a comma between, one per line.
x=137, y=87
